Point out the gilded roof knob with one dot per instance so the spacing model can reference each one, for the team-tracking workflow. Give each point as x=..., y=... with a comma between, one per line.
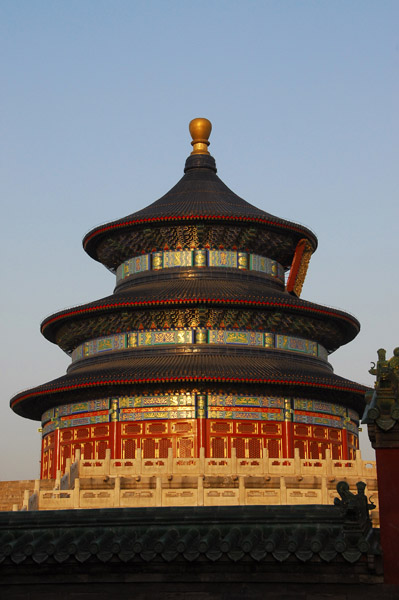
x=200, y=130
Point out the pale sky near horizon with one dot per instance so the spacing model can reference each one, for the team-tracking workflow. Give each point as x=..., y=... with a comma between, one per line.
x=96, y=97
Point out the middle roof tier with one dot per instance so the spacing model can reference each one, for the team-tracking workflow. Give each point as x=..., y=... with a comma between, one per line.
x=209, y=302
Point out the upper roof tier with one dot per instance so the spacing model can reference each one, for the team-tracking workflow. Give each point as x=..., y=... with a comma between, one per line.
x=199, y=196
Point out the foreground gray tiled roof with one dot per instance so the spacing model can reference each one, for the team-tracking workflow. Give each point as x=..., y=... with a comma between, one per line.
x=254, y=533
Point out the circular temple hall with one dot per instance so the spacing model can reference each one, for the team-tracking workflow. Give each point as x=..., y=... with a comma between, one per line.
x=205, y=344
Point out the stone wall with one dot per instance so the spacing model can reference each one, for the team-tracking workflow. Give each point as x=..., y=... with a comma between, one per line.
x=12, y=492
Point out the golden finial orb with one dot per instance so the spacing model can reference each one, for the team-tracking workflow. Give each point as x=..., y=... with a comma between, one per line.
x=200, y=130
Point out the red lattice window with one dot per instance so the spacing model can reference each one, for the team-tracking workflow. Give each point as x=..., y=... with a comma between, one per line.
x=66, y=436
x=217, y=447
x=148, y=448
x=334, y=434
x=302, y=430
x=163, y=446
x=273, y=447
x=156, y=428
x=130, y=448
x=75, y=448
x=182, y=427
x=314, y=449
x=50, y=463
x=323, y=448
x=254, y=448
x=87, y=451
x=45, y=473
x=132, y=428
x=101, y=448
x=82, y=432
x=246, y=427
x=239, y=445
x=185, y=447
x=100, y=431
x=319, y=432
x=336, y=452
x=301, y=446
x=65, y=453
x=271, y=428
x=220, y=427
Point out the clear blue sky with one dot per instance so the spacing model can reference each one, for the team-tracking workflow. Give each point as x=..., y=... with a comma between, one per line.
x=96, y=97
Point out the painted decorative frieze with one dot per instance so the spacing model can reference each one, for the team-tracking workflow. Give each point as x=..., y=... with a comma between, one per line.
x=156, y=413
x=250, y=401
x=200, y=257
x=316, y=412
x=251, y=414
x=189, y=405
x=223, y=258
x=164, y=337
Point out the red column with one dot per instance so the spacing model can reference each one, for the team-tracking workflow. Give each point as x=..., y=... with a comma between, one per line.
x=388, y=495
x=345, y=450
x=288, y=430
x=386, y=445
x=56, y=456
x=114, y=439
x=42, y=461
x=201, y=414
x=288, y=439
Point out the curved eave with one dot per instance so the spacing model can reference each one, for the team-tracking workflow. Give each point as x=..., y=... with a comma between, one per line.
x=21, y=403
x=51, y=325
x=103, y=378
x=91, y=239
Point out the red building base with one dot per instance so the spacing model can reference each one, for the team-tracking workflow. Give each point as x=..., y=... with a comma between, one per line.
x=185, y=437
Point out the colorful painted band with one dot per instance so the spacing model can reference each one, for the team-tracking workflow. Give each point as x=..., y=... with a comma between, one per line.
x=189, y=405
x=167, y=259
x=137, y=339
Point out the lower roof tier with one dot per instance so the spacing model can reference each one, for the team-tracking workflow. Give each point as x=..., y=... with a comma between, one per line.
x=253, y=304
x=288, y=375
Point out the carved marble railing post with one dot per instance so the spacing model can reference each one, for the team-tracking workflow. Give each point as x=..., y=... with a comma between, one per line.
x=200, y=491
x=25, y=503
x=158, y=491
x=233, y=462
x=107, y=461
x=202, y=462
x=170, y=461
x=138, y=462
x=324, y=490
x=283, y=490
x=117, y=492
x=241, y=490
x=76, y=494
x=265, y=461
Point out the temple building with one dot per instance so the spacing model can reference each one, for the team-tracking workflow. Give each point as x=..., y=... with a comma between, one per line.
x=205, y=346
x=200, y=406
